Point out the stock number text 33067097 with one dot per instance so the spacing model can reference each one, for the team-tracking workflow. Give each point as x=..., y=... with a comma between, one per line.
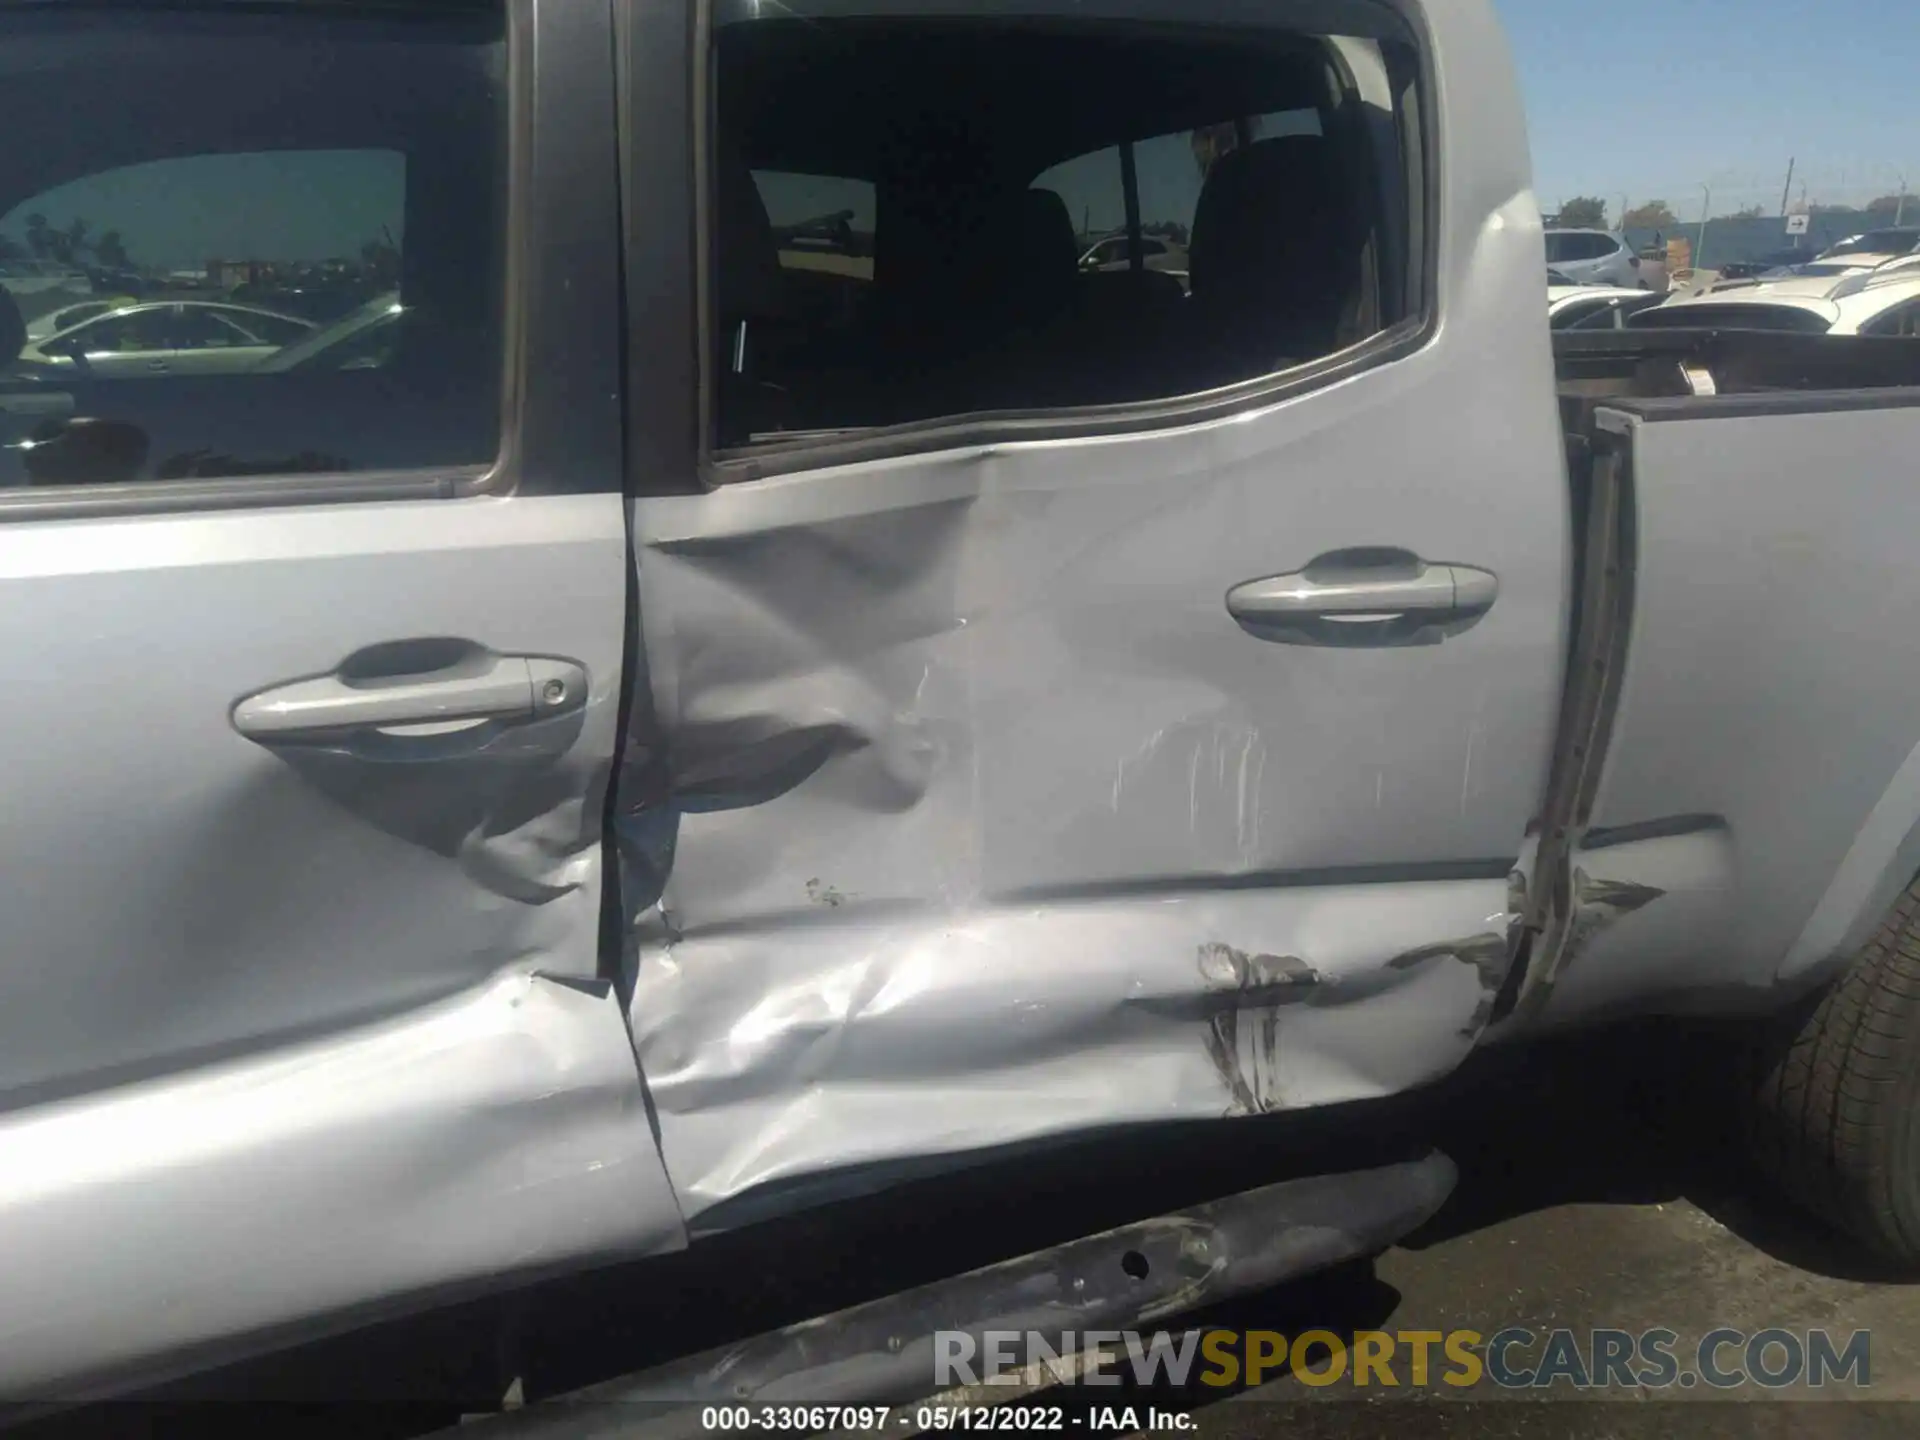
x=879, y=1419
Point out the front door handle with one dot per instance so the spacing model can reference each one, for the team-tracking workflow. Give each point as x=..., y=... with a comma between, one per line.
x=1364, y=598
x=472, y=686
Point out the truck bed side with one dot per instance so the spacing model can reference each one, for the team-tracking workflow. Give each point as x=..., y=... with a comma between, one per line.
x=1756, y=801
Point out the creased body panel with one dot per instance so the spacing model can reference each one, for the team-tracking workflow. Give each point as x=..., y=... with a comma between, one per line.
x=501, y=1132
x=797, y=1049
x=960, y=810
x=966, y=754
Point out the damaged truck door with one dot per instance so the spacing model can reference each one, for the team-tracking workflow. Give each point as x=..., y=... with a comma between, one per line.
x=1078, y=698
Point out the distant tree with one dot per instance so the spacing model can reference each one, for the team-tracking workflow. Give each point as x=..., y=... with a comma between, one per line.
x=1893, y=205
x=1654, y=215
x=68, y=245
x=111, y=251
x=1745, y=212
x=1584, y=212
x=39, y=236
x=1820, y=208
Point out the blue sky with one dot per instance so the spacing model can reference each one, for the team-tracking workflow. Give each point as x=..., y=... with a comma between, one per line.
x=1643, y=99
x=1652, y=100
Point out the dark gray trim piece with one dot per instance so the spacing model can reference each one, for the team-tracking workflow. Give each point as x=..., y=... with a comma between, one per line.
x=1426, y=873
x=1130, y=198
x=1010, y=427
x=1666, y=827
x=882, y=1353
x=255, y=492
x=568, y=401
x=1368, y=19
x=662, y=163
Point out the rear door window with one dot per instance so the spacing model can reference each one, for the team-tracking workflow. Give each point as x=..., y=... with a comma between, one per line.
x=250, y=177
x=1138, y=215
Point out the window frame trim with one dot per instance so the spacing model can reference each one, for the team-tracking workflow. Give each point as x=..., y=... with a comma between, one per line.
x=719, y=467
x=546, y=105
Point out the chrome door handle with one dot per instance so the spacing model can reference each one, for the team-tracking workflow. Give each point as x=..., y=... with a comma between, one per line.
x=476, y=686
x=1356, y=598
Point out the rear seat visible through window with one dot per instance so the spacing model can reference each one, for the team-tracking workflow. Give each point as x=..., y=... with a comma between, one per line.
x=1135, y=215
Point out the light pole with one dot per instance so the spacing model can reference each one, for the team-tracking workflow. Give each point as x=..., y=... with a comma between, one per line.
x=1706, y=209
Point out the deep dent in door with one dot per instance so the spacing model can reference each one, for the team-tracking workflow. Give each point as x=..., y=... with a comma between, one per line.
x=799, y=1019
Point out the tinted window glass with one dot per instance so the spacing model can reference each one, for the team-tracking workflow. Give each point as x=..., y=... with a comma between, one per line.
x=1904, y=320
x=1008, y=264
x=145, y=329
x=1732, y=317
x=1169, y=170
x=244, y=178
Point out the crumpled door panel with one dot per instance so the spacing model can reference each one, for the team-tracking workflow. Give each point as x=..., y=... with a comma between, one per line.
x=959, y=811
x=782, y=1051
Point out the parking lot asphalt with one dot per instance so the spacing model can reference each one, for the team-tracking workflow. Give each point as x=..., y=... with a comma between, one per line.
x=1601, y=1187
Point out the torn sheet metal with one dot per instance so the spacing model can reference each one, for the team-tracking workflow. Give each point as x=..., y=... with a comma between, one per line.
x=1654, y=910
x=502, y=1132
x=782, y=1052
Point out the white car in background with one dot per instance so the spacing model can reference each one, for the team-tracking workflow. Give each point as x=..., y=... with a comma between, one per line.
x=166, y=337
x=1595, y=307
x=1594, y=257
x=1881, y=302
x=1829, y=271
x=68, y=316
x=1895, y=240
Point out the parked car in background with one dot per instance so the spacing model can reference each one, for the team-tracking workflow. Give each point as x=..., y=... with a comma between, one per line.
x=360, y=341
x=1874, y=303
x=1156, y=253
x=186, y=337
x=319, y=304
x=1595, y=307
x=1895, y=240
x=1773, y=260
x=1827, y=271
x=68, y=316
x=1593, y=257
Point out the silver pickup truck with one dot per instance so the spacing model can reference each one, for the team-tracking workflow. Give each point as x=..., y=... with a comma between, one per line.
x=701, y=716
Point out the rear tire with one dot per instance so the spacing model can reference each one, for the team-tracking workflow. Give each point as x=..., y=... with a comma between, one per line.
x=1836, y=1114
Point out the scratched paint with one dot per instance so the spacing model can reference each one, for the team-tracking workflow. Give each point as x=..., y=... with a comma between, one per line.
x=1252, y=989
x=991, y=699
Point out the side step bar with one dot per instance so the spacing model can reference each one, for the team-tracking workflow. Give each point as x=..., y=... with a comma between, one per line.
x=1140, y=1275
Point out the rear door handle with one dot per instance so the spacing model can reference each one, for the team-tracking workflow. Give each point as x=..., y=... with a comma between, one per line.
x=1364, y=598
x=476, y=686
